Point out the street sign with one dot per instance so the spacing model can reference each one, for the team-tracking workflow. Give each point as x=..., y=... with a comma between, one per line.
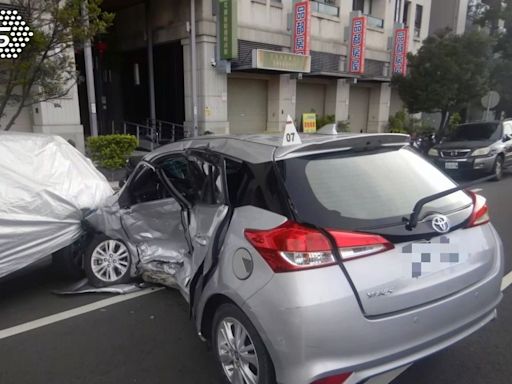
x=399, y=53
x=491, y=99
x=280, y=61
x=227, y=35
x=357, y=45
x=309, y=122
x=301, y=28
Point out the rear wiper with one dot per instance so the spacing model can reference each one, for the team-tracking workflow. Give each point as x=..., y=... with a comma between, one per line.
x=412, y=221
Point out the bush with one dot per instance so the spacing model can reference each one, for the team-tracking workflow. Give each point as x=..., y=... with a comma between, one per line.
x=401, y=122
x=111, y=151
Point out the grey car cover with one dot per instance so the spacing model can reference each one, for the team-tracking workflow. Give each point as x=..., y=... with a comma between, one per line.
x=46, y=187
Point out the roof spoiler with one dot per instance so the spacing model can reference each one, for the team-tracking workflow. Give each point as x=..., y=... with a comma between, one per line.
x=366, y=141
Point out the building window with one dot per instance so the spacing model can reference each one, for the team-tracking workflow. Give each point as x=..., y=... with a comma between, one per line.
x=327, y=7
x=398, y=8
x=366, y=8
x=406, y=13
x=417, y=20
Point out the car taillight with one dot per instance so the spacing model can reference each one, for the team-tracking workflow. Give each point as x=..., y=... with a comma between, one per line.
x=480, y=214
x=292, y=247
x=336, y=379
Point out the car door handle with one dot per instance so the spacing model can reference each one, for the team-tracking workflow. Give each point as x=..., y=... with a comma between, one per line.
x=201, y=239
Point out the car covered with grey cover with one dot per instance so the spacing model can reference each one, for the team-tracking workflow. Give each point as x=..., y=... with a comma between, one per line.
x=46, y=189
x=307, y=259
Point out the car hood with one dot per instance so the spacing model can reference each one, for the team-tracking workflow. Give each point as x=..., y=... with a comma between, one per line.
x=464, y=144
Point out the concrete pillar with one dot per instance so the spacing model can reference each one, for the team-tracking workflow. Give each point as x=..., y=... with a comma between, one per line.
x=378, y=114
x=282, y=90
x=212, y=89
x=337, y=99
x=60, y=117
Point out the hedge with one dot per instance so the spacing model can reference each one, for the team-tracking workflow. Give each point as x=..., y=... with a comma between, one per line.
x=111, y=151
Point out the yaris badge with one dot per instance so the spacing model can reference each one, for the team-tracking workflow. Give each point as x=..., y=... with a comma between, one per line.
x=440, y=224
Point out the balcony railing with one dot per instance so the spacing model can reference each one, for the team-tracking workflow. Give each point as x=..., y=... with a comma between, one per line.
x=375, y=22
x=326, y=7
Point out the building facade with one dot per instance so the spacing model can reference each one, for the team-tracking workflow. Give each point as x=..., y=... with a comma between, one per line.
x=449, y=14
x=246, y=99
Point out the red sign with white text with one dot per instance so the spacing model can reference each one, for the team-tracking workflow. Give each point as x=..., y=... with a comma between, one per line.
x=400, y=48
x=357, y=45
x=301, y=28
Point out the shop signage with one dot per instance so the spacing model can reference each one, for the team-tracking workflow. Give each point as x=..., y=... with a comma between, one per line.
x=357, y=45
x=280, y=61
x=309, y=122
x=227, y=32
x=399, y=54
x=301, y=28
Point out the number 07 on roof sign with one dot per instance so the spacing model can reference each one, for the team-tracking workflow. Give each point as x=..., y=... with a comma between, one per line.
x=291, y=136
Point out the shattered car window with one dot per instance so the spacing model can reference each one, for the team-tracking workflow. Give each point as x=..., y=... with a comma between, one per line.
x=147, y=186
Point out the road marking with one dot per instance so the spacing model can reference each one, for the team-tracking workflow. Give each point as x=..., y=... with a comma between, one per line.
x=507, y=280
x=44, y=321
x=476, y=190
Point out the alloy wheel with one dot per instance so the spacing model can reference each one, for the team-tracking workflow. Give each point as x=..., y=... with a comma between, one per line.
x=237, y=353
x=110, y=260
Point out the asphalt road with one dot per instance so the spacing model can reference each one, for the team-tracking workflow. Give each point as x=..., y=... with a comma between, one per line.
x=149, y=339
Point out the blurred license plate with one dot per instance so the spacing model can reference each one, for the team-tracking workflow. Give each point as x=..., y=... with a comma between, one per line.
x=451, y=165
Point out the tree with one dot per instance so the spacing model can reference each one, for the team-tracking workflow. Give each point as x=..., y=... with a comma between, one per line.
x=446, y=74
x=45, y=69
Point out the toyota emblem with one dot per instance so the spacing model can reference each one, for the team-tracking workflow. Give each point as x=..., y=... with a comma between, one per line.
x=440, y=224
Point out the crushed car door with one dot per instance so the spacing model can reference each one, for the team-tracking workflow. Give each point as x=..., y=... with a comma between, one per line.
x=205, y=194
x=153, y=222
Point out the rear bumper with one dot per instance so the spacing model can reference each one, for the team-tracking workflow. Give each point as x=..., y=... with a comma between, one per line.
x=469, y=164
x=313, y=327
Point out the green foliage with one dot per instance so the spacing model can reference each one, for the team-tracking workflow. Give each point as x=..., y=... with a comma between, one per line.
x=327, y=119
x=343, y=126
x=45, y=70
x=448, y=72
x=111, y=151
x=401, y=122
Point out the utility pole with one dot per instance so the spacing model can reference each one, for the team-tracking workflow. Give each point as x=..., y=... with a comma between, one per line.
x=89, y=76
x=151, y=69
x=193, y=60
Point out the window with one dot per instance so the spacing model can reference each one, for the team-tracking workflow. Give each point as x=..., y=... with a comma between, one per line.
x=146, y=186
x=327, y=7
x=365, y=6
x=417, y=20
x=398, y=7
x=406, y=13
x=356, y=191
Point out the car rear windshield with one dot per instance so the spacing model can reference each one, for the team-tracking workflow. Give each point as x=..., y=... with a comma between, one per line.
x=365, y=190
x=475, y=132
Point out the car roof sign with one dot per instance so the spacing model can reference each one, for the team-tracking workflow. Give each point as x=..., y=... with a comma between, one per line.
x=291, y=136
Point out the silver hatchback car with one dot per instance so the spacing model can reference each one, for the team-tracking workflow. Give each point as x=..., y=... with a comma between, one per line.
x=325, y=262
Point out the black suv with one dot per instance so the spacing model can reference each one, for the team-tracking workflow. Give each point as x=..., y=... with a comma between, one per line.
x=484, y=147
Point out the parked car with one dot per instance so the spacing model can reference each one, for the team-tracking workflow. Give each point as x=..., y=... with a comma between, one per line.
x=484, y=147
x=305, y=263
x=47, y=187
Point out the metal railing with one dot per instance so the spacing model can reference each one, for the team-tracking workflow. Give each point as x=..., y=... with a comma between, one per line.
x=168, y=131
x=327, y=7
x=142, y=131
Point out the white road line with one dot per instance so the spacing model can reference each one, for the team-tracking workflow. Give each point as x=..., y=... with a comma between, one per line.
x=507, y=280
x=476, y=190
x=21, y=328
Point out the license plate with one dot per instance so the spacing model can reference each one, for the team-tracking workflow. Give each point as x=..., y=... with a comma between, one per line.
x=451, y=165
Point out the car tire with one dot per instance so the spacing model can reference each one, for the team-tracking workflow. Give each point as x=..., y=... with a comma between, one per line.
x=107, y=261
x=68, y=262
x=498, y=169
x=245, y=354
